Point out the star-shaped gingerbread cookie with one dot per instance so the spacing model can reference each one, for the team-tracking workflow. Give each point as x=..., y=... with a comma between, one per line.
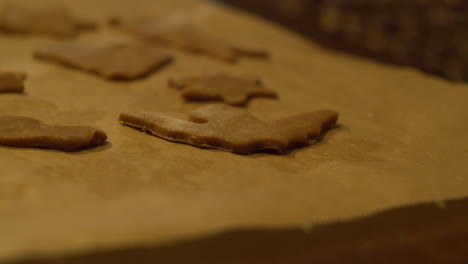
x=234, y=90
x=49, y=20
x=12, y=82
x=180, y=33
x=121, y=61
x=234, y=129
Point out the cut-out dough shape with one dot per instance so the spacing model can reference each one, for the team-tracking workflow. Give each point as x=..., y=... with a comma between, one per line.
x=12, y=82
x=234, y=129
x=19, y=131
x=122, y=61
x=180, y=33
x=233, y=90
x=55, y=21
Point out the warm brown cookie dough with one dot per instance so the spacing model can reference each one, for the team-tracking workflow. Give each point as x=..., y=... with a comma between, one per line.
x=18, y=131
x=55, y=21
x=182, y=34
x=12, y=82
x=234, y=90
x=123, y=61
x=234, y=129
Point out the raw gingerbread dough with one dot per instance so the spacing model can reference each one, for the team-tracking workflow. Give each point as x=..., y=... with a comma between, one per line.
x=122, y=61
x=19, y=131
x=12, y=82
x=234, y=90
x=178, y=32
x=234, y=129
x=55, y=21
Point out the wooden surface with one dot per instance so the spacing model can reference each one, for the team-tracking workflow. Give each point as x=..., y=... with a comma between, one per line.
x=403, y=139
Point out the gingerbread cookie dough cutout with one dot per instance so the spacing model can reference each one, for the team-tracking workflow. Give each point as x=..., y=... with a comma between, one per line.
x=25, y=132
x=50, y=20
x=233, y=90
x=12, y=82
x=234, y=129
x=121, y=61
x=180, y=33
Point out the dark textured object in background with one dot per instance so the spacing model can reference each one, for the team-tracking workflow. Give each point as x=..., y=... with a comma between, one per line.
x=429, y=34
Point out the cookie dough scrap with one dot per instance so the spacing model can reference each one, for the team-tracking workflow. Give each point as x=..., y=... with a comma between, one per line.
x=51, y=20
x=234, y=129
x=180, y=33
x=12, y=82
x=233, y=90
x=26, y=132
x=120, y=61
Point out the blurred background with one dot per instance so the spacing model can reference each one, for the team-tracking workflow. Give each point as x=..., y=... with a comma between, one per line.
x=429, y=35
